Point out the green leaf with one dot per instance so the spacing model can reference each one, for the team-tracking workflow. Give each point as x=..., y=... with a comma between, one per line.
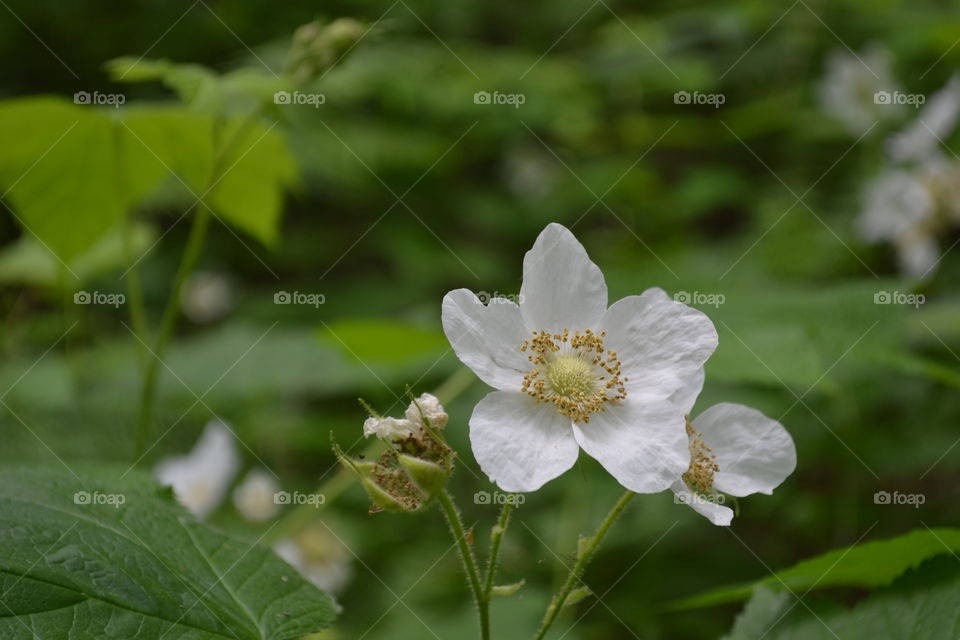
x=507, y=589
x=26, y=261
x=98, y=556
x=382, y=340
x=920, y=604
x=870, y=564
x=256, y=171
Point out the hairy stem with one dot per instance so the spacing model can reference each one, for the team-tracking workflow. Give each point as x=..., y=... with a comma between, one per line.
x=469, y=561
x=584, y=555
x=496, y=536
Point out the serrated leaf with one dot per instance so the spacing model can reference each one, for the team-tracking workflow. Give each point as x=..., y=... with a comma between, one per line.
x=95, y=556
x=507, y=589
x=870, y=564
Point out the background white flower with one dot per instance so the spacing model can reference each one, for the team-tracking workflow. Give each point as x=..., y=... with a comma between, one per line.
x=848, y=89
x=319, y=556
x=201, y=479
x=255, y=497
x=571, y=373
x=737, y=451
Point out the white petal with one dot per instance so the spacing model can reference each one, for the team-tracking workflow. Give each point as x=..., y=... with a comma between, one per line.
x=521, y=444
x=562, y=288
x=643, y=445
x=662, y=345
x=487, y=338
x=718, y=514
x=201, y=479
x=686, y=396
x=755, y=454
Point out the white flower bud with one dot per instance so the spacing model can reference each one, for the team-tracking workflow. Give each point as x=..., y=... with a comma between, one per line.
x=432, y=410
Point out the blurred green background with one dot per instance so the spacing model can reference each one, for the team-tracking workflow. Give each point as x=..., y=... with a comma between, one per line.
x=408, y=188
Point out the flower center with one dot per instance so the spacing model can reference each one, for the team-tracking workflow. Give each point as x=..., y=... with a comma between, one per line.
x=573, y=371
x=703, y=463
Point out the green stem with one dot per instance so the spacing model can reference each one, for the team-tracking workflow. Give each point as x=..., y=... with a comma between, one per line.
x=496, y=536
x=188, y=262
x=584, y=555
x=138, y=312
x=469, y=561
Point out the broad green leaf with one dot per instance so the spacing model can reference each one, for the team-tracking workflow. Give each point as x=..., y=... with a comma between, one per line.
x=97, y=556
x=919, y=605
x=870, y=564
x=381, y=340
x=253, y=176
x=26, y=261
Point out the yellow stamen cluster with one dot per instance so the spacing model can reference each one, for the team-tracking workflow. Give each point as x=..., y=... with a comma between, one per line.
x=573, y=371
x=703, y=463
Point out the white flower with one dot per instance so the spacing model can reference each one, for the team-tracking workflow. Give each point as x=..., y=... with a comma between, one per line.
x=571, y=373
x=201, y=479
x=318, y=556
x=255, y=498
x=206, y=297
x=903, y=207
x=848, y=90
x=937, y=119
x=412, y=424
x=737, y=451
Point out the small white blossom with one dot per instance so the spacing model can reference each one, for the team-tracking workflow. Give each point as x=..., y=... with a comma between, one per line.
x=735, y=451
x=571, y=373
x=255, y=497
x=319, y=557
x=922, y=138
x=848, y=89
x=201, y=479
x=411, y=425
